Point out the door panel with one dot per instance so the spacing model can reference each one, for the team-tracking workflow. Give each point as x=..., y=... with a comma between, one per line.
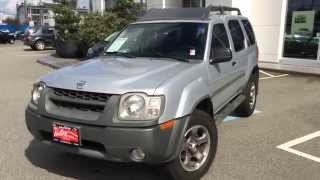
x=222, y=76
x=240, y=48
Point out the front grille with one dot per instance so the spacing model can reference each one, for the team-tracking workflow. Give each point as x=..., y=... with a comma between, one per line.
x=81, y=107
x=88, y=96
x=64, y=99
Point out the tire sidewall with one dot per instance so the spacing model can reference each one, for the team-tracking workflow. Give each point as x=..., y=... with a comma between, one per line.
x=244, y=110
x=176, y=170
x=253, y=79
x=37, y=45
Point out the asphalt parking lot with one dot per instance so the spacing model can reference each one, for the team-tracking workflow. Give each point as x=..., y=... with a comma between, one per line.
x=281, y=141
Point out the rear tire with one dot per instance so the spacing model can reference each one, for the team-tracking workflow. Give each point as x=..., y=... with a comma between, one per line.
x=11, y=41
x=198, y=150
x=39, y=45
x=248, y=106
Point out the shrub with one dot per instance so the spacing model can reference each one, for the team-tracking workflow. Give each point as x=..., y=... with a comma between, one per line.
x=96, y=27
x=66, y=21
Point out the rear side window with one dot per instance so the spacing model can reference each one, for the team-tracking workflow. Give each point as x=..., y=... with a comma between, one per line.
x=249, y=31
x=219, y=37
x=237, y=35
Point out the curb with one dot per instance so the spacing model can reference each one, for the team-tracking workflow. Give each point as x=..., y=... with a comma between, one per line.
x=55, y=62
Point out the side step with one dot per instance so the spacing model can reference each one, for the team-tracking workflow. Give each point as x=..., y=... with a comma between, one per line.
x=229, y=109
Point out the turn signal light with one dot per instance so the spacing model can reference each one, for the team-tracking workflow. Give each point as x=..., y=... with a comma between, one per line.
x=167, y=125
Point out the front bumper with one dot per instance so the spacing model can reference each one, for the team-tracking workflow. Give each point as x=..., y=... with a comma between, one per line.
x=28, y=42
x=114, y=143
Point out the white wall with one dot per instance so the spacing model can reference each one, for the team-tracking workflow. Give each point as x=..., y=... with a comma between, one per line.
x=265, y=16
x=219, y=2
x=173, y=3
x=98, y=5
x=155, y=4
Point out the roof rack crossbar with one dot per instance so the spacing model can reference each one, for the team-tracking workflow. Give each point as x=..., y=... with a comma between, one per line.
x=222, y=9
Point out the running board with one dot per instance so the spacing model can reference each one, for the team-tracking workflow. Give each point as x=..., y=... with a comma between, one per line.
x=229, y=109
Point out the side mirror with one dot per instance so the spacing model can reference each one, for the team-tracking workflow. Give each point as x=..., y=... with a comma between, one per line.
x=220, y=55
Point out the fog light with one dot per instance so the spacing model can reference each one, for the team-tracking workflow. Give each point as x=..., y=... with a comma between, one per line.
x=137, y=154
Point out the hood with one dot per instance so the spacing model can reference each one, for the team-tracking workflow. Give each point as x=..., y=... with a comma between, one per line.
x=116, y=75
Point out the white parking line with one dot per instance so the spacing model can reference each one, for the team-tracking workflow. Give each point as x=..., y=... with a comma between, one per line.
x=271, y=76
x=288, y=146
x=268, y=74
x=282, y=75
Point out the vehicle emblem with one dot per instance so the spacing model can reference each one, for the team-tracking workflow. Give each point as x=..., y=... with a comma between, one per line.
x=81, y=84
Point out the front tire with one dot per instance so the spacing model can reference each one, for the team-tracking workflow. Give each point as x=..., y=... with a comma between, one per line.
x=198, y=150
x=248, y=106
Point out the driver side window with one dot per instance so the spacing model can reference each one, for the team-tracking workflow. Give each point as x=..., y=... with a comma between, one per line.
x=220, y=38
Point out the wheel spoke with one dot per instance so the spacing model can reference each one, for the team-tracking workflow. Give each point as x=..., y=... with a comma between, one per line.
x=187, y=158
x=198, y=155
x=202, y=140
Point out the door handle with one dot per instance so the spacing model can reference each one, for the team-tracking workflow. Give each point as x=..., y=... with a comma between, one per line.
x=234, y=63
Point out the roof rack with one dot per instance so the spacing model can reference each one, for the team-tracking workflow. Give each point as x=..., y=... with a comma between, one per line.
x=222, y=9
x=185, y=13
x=176, y=13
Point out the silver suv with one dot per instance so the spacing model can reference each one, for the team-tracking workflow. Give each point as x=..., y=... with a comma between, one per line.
x=156, y=95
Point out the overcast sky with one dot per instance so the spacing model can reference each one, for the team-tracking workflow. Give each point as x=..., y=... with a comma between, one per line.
x=8, y=6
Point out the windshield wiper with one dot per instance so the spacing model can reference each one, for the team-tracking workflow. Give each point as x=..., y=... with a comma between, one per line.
x=160, y=55
x=123, y=54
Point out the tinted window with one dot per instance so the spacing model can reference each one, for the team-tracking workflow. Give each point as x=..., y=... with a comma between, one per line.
x=249, y=30
x=237, y=35
x=219, y=37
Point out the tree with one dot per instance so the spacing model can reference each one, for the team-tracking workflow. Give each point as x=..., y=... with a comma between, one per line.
x=66, y=20
x=127, y=11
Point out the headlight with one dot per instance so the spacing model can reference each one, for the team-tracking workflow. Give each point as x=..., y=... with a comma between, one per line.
x=138, y=106
x=36, y=92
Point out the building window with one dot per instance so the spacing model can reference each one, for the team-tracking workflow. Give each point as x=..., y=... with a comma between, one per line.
x=302, y=30
x=194, y=3
x=35, y=11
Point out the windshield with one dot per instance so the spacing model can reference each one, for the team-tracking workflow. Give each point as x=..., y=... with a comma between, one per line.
x=167, y=40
